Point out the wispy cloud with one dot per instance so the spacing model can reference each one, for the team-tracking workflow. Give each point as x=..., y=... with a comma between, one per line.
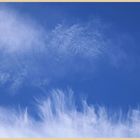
x=59, y=117
x=18, y=39
x=31, y=53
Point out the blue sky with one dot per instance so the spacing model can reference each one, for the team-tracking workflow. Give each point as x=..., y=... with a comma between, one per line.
x=108, y=85
x=91, y=49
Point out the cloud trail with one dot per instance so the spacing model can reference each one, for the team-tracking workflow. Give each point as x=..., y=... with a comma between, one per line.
x=59, y=117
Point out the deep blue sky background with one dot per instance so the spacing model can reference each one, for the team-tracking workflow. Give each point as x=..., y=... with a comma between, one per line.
x=109, y=86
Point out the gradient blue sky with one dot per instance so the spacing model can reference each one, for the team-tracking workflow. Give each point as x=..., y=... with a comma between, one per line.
x=114, y=84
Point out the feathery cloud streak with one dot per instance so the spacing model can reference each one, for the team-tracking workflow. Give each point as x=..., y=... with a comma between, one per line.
x=59, y=117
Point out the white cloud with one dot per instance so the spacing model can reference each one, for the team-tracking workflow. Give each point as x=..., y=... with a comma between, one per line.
x=16, y=33
x=59, y=117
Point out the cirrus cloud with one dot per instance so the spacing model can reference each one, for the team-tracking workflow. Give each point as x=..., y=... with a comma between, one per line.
x=34, y=57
